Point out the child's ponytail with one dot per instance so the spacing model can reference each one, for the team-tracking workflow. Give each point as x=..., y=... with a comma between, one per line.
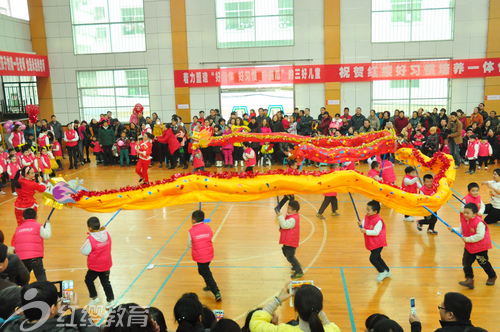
x=315, y=322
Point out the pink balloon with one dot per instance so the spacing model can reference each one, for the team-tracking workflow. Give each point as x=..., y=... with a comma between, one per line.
x=23, y=126
x=6, y=125
x=9, y=122
x=120, y=143
x=18, y=123
x=7, y=130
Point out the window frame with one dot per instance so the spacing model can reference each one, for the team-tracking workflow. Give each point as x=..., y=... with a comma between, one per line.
x=255, y=42
x=115, y=109
x=107, y=25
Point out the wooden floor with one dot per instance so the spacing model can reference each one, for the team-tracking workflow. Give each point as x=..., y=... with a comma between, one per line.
x=249, y=266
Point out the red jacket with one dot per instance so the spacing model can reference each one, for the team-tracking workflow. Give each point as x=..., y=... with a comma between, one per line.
x=290, y=237
x=202, y=246
x=412, y=189
x=197, y=159
x=26, y=194
x=27, y=240
x=169, y=138
x=469, y=229
x=374, y=242
x=325, y=125
x=400, y=124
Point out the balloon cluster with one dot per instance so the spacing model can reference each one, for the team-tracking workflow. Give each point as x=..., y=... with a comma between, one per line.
x=9, y=126
x=33, y=112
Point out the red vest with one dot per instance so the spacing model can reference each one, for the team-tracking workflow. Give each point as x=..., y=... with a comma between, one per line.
x=372, y=173
x=27, y=240
x=418, y=143
x=197, y=162
x=57, y=153
x=13, y=170
x=201, y=238
x=45, y=160
x=484, y=149
x=427, y=191
x=99, y=259
x=70, y=135
x=413, y=189
x=251, y=161
x=388, y=174
x=471, y=199
x=469, y=229
x=17, y=138
x=43, y=140
x=374, y=242
x=471, y=149
x=133, y=149
x=349, y=166
x=291, y=237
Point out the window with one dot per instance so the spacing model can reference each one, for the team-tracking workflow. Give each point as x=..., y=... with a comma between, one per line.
x=410, y=95
x=254, y=23
x=19, y=91
x=412, y=20
x=15, y=8
x=108, y=26
x=112, y=90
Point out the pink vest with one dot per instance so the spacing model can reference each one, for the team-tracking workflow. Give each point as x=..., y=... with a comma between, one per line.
x=133, y=151
x=418, y=143
x=374, y=242
x=471, y=149
x=17, y=138
x=350, y=166
x=484, y=149
x=469, y=229
x=99, y=259
x=42, y=141
x=45, y=160
x=290, y=237
x=27, y=240
x=57, y=153
x=97, y=148
x=13, y=170
x=201, y=239
x=372, y=173
x=197, y=162
x=427, y=191
x=71, y=134
x=413, y=189
x=251, y=161
x=446, y=149
x=388, y=174
x=471, y=199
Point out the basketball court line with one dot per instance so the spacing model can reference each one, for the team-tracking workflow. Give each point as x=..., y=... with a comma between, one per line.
x=179, y=261
x=348, y=301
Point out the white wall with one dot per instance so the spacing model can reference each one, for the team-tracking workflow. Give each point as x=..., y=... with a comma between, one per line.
x=15, y=35
x=202, y=47
x=470, y=40
x=64, y=63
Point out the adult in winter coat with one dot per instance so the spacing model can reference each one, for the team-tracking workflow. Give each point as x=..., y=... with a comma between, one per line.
x=325, y=124
x=106, y=138
x=400, y=122
x=358, y=119
x=374, y=120
x=306, y=122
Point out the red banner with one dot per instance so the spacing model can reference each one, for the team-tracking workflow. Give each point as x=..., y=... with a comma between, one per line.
x=22, y=64
x=358, y=72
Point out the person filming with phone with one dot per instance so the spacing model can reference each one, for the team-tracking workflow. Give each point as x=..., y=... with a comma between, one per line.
x=454, y=312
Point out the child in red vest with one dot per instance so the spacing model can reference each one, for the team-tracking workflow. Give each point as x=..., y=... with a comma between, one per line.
x=388, y=174
x=473, y=197
x=431, y=220
x=28, y=241
x=374, y=171
x=446, y=147
x=476, y=236
x=249, y=157
x=97, y=149
x=472, y=153
x=97, y=248
x=144, y=153
x=485, y=152
x=227, y=149
x=56, y=151
x=45, y=164
x=12, y=168
x=292, y=166
x=410, y=185
x=418, y=139
x=373, y=228
x=133, y=151
x=202, y=250
x=198, y=163
x=290, y=236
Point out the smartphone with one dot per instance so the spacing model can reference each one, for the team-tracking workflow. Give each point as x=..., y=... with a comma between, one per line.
x=413, y=310
x=294, y=285
x=67, y=290
x=219, y=314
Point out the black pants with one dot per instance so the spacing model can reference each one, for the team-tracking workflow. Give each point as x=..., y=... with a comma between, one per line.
x=106, y=285
x=482, y=259
x=256, y=150
x=377, y=260
x=249, y=169
x=86, y=146
x=36, y=265
x=289, y=253
x=429, y=220
x=163, y=153
x=80, y=151
x=207, y=155
x=472, y=165
x=107, y=153
x=178, y=156
x=483, y=160
x=13, y=186
x=285, y=199
x=204, y=271
x=493, y=215
x=327, y=201
x=98, y=157
x=237, y=154
x=73, y=155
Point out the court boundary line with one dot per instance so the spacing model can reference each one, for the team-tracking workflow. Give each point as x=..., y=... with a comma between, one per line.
x=348, y=301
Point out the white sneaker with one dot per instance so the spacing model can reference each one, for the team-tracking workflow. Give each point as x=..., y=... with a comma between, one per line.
x=110, y=305
x=406, y=219
x=486, y=167
x=2, y=192
x=381, y=276
x=478, y=167
x=410, y=218
x=242, y=163
x=14, y=194
x=94, y=301
x=388, y=274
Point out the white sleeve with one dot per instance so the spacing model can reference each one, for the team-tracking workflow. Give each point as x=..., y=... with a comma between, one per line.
x=56, y=148
x=480, y=232
x=9, y=171
x=10, y=139
x=483, y=207
x=286, y=224
x=476, y=150
x=419, y=185
x=409, y=182
x=376, y=230
x=462, y=204
x=44, y=163
x=458, y=229
x=46, y=231
x=490, y=150
x=86, y=249
x=190, y=242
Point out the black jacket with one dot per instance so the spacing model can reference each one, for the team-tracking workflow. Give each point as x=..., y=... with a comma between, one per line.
x=357, y=121
x=445, y=326
x=16, y=272
x=306, y=125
